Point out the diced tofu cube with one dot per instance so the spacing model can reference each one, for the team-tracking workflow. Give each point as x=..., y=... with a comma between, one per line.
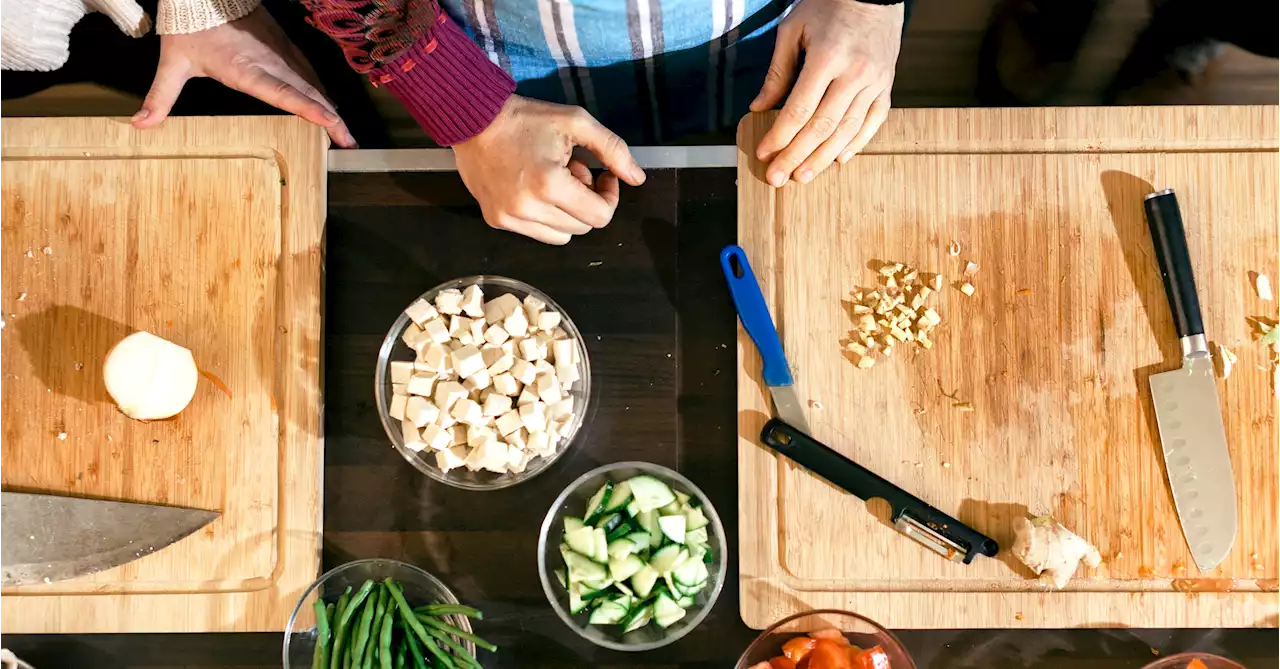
x=399, y=389
x=539, y=443
x=401, y=371
x=559, y=333
x=410, y=335
x=479, y=434
x=568, y=374
x=490, y=354
x=467, y=361
x=437, y=331
x=412, y=438
x=458, y=433
x=449, y=393
x=548, y=388
x=437, y=438
x=523, y=371
x=421, y=411
x=421, y=311
x=517, y=439
x=506, y=385
x=448, y=459
x=467, y=411
x=449, y=302
x=421, y=384
x=473, y=461
x=509, y=422
x=398, y=404
x=533, y=306
x=502, y=365
x=548, y=321
x=515, y=459
x=527, y=396
x=562, y=351
x=496, y=335
x=478, y=329
x=473, y=301
x=492, y=455
x=477, y=381
x=516, y=325
x=543, y=367
x=495, y=404
x=497, y=309
x=434, y=357
x=534, y=417
x=561, y=410
x=445, y=421
x=509, y=346
x=458, y=326
x=530, y=350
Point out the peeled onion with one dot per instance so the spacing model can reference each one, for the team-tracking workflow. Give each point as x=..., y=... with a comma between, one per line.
x=150, y=378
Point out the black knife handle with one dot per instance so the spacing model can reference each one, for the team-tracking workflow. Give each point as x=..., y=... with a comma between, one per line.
x=1165, y=220
x=844, y=473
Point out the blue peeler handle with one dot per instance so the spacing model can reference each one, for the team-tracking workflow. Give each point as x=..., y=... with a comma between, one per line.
x=747, y=297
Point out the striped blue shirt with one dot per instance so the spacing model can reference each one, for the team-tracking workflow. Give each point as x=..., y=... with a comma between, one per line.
x=650, y=70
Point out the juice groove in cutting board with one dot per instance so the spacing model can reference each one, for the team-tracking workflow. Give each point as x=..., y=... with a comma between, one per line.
x=205, y=232
x=1053, y=352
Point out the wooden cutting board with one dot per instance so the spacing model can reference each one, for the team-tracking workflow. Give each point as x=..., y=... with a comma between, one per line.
x=1053, y=351
x=206, y=232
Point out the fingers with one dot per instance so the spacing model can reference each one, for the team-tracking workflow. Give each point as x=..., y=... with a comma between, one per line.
x=580, y=171
x=282, y=95
x=821, y=157
x=587, y=132
x=531, y=229
x=607, y=188
x=782, y=69
x=171, y=75
x=832, y=117
x=875, y=118
x=800, y=107
x=579, y=200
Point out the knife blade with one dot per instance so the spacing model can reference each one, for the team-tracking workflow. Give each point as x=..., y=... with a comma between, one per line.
x=754, y=314
x=1188, y=415
x=48, y=538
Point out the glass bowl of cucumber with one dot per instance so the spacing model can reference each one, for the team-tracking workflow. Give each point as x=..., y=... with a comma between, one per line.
x=632, y=556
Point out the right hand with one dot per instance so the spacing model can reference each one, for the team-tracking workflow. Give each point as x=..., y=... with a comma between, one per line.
x=251, y=55
x=522, y=171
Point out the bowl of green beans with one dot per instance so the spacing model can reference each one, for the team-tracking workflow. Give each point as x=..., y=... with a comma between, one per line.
x=381, y=614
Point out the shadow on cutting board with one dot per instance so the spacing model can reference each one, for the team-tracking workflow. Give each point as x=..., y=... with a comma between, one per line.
x=66, y=346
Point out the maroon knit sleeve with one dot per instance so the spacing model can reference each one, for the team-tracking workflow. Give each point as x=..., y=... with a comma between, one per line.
x=419, y=54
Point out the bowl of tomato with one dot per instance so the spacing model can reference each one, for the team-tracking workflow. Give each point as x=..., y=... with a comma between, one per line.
x=826, y=639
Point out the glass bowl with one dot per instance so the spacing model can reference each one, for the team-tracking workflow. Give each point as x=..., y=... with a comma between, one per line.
x=1182, y=660
x=571, y=503
x=419, y=588
x=859, y=630
x=393, y=348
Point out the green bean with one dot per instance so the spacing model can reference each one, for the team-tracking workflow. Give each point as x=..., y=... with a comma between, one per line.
x=449, y=610
x=375, y=631
x=450, y=629
x=339, y=660
x=320, y=656
x=400, y=654
x=415, y=651
x=453, y=645
x=384, y=640
x=410, y=619
x=337, y=632
x=362, y=633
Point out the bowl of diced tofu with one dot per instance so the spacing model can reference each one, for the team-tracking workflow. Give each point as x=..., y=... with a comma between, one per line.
x=482, y=382
x=632, y=556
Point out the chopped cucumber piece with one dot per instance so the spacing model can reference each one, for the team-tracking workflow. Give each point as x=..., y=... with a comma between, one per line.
x=583, y=569
x=560, y=576
x=685, y=602
x=572, y=523
x=620, y=548
x=638, y=618
x=682, y=497
x=689, y=573
x=640, y=539
x=696, y=551
x=625, y=568
x=643, y=580
x=671, y=585
x=695, y=536
x=600, y=593
x=697, y=519
x=607, y=613
x=691, y=590
x=648, y=521
x=668, y=558
x=650, y=493
x=610, y=522
x=672, y=509
x=620, y=497
x=673, y=527
x=628, y=592
x=633, y=509
x=601, y=553
x=596, y=505
x=666, y=611
x=618, y=532
x=582, y=541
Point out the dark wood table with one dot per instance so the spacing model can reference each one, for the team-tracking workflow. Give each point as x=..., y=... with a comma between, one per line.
x=648, y=297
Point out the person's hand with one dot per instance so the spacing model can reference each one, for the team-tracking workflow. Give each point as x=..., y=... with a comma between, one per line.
x=251, y=55
x=842, y=94
x=522, y=171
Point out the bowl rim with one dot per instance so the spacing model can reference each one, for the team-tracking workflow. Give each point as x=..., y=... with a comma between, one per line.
x=380, y=383
x=461, y=622
x=721, y=560
x=1188, y=655
x=742, y=659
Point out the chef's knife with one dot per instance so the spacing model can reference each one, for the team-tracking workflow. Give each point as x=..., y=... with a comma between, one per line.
x=756, y=320
x=48, y=538
x=910, y=515
x=1188, y=415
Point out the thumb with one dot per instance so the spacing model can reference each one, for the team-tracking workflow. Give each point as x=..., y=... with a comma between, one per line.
x=170, y=77
x=782, y=70
x=587, y=132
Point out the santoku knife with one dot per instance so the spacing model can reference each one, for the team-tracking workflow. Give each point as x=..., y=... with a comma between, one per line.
x=756, y=320
x=48, y=538
x=1188, y=415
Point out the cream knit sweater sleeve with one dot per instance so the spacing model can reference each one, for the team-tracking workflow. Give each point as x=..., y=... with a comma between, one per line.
x=36, y=34
x=177, y=17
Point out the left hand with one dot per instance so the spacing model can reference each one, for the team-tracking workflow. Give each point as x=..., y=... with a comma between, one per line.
x=842, y=94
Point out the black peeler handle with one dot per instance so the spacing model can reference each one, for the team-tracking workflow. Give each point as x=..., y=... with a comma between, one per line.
x=910, y=514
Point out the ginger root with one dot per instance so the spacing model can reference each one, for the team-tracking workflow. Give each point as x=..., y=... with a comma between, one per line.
x=1052, y=551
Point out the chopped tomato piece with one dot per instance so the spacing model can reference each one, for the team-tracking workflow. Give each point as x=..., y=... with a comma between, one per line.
x=831, y=635
x=871, y=658
x=1197, y=663
x=760, y=665
x=781, y=663
x=827, y=654
x=796, y=649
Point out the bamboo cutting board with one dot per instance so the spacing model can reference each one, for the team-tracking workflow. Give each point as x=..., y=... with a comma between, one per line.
x=1053, y=351
x=206, y=232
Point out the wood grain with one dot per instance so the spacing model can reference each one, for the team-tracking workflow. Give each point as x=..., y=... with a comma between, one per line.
x=1053, y=351
x=206, y=232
